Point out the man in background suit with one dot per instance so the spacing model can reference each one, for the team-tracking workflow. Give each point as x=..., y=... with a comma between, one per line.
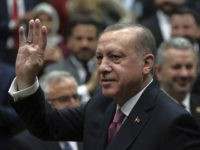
x=82, y=38
x=159, y=23
x=176, y=71
x=60, y=90
x=9, y=24
x=186, y=23
x=149, y=118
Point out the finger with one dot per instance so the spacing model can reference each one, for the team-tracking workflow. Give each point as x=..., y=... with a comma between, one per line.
x=37, y=32
x=22, y=39
x=31, y=30
x=43, y=38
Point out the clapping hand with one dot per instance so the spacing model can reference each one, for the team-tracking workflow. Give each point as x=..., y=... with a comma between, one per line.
x=30, y=57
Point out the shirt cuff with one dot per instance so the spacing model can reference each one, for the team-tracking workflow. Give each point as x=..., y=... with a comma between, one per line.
x=19, y=95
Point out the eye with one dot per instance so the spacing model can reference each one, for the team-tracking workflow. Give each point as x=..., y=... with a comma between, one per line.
x=98, y=58
x=115, y=58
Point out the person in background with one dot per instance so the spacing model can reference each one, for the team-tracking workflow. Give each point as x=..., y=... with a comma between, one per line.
x=128, y=106
x=14, y=13
x=60, y=89
x=176, y=71
x=81, y=41
x=186, y=23
x=159, y=23
x=10, y=123
x=109, y=11
x=49, y=17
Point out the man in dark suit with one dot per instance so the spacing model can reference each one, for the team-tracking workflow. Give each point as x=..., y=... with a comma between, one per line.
x=159, y=22
x=186, y=23
x=151, y=120
x=60, y=90
x=82, y=41
x=176, y=70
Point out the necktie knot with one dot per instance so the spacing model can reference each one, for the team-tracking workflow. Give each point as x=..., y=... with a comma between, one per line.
x=119, y=116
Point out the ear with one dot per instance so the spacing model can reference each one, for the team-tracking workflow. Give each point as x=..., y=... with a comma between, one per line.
x=148, y=63
x=158, y=74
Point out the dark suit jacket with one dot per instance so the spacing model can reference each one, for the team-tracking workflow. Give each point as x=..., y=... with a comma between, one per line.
x=161, y=123
x=26, y=141
x=195, y=106
x=68, y=65
x=9, y=119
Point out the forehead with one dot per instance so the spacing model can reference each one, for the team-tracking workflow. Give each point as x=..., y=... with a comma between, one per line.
x=63, y=83
x=84, y=29
x=178, y=54
x=183, y=19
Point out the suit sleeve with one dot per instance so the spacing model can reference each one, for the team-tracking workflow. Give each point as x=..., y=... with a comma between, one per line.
x=48, y=123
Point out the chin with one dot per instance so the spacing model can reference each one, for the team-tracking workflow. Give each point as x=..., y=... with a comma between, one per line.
x=108, y=93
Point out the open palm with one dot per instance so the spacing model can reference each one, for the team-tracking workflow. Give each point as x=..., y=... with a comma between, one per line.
x=30, y=55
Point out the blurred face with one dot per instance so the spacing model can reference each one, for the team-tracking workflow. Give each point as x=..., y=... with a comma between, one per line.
x=184, y=26
x=83, y=41
x=46, y=20
x=178, y=72
x=168, y=6
x=63, y=94
x=120, y=69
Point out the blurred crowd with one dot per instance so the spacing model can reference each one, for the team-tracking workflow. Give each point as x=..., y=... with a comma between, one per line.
x=73, y=30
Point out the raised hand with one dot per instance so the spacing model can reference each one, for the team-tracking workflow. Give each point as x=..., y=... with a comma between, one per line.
x=30, y=57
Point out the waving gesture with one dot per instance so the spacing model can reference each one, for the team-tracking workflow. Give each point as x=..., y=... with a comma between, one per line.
x=30, y=57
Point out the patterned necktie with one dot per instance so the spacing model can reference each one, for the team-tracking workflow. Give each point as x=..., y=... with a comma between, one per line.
x=116, y=124
x=67, y=146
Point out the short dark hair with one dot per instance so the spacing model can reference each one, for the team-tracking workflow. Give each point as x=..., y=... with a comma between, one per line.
x=185, y=10
x=88, y=19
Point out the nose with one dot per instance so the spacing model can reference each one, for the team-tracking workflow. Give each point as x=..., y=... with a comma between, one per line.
x=184, y=72
x=104, y=66
x=85, y=42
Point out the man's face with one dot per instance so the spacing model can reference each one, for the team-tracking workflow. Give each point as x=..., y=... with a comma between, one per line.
x=178, y=71
x=184, y=26
x=120, y=69
x=83, y=41
x=63, y=94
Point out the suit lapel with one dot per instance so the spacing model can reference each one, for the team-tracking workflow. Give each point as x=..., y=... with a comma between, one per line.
x=108, y=116
x=195, y=106
x=135, y=122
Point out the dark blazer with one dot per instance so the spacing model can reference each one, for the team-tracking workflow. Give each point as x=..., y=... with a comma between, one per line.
x=67, y=64
x=152, y=24
x=155, y=123
x=26, y=141
x=9, y=119
x=195, y=106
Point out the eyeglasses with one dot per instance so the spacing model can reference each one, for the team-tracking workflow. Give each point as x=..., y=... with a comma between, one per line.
x=63, y=99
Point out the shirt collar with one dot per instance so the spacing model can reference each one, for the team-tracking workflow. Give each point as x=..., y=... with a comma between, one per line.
x=128, y=106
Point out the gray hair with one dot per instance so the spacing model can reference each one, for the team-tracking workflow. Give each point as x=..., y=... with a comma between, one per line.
x=145, y=41
x=54, y=76
x=178, y=43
